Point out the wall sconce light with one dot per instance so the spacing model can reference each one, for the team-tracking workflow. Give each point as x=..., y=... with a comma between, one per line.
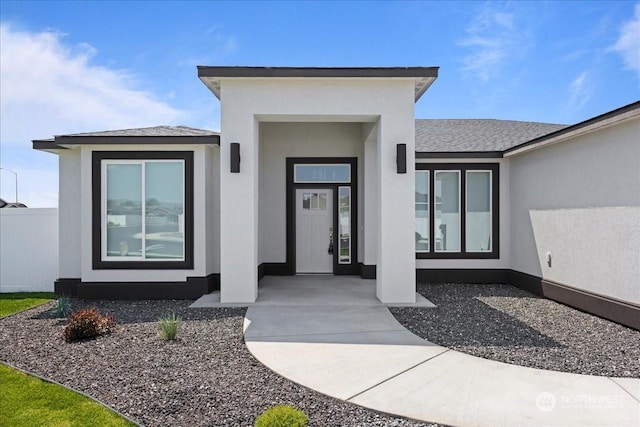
x=235, y=157
x=401, y=158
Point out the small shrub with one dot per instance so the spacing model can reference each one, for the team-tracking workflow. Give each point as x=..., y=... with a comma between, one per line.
x=168, y=326
x=87, y=323
x=282, y=416
x=63, y=307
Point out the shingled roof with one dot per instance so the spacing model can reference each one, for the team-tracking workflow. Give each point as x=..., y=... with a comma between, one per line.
x=148, y=135
x=476, y=135
x=149, y=131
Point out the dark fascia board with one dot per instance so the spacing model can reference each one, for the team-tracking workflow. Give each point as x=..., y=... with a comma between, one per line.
x=415, y=72
x=588, y=122
x=45, y=145
x=459, y=155
x=127, y=140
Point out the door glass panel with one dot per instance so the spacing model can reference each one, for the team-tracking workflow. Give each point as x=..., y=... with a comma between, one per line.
x=322, y=173
x=422, y=211
x=124, y=210
x=314, y=201
x=344, y=215
x=323, y=202
x=164, y=213
x=447, y=212
x=478, y=217
x=306, y=201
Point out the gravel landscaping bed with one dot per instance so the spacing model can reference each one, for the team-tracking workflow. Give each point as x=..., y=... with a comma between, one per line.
x=504, y=323
x=206, y=377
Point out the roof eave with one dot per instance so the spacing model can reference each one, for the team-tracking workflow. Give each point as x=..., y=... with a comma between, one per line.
x=69, y=140
x=48, y=145
x=458, y=154
x=423, y=76
x=607, y=119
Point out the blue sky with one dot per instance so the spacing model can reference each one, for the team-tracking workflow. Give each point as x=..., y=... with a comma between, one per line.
x=68, y=67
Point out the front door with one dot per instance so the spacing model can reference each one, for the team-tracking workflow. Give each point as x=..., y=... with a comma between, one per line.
x=314, y=230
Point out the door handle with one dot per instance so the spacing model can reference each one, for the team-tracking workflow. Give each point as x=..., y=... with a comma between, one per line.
x=330, y=251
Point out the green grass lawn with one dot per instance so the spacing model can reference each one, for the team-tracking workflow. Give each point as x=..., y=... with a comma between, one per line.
x=14, y=302
x=28, y=401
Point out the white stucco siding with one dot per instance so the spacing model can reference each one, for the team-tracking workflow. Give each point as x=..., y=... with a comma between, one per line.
x=69, y=211
x=88, y=274
x=212, y=214
x=579, y=200
x=279, y=141
x=596, y=249
x=369, y=215
x=248, y=102
x=395, y=273
x=503, y=262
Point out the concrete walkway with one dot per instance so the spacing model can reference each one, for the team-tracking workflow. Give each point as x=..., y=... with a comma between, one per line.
x=359, y=353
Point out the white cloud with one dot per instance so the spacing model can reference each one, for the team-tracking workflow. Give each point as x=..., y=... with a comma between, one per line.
x=50, y=87
x=492, y=37
x=628, y=44
x=580, y=91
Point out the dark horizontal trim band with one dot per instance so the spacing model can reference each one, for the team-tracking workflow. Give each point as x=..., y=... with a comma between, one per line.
x=46, y=145
x=126, y=140
x=213, y=71
x=457, y=275
x=192, y=288
x=458, y=154
x=622, y=312
x=367, y=271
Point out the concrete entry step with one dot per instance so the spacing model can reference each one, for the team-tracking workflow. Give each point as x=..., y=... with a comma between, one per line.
x=312, y=290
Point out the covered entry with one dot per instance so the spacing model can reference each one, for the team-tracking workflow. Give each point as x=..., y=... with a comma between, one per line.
x=322, y=215
x=272, y=117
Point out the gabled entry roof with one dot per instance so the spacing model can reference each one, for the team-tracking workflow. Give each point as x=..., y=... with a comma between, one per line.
x=423, y=76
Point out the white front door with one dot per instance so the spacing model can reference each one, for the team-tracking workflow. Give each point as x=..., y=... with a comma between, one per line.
x=314, y=229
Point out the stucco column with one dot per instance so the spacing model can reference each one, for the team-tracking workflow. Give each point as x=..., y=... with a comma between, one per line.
x=238, y=207
x=370, y=131
x=396, y=266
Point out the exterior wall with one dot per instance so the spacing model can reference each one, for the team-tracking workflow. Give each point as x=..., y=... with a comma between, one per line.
x=212, y=213
x=70, y=244
x=88, y=274
x=279, y=141
x=369, y=215
x=579, y=200
x=28, y=235
x=245, y=103
x=503, y=262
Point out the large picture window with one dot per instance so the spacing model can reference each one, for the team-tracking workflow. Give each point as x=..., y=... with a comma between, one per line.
x=457, y=204
x=143, y=212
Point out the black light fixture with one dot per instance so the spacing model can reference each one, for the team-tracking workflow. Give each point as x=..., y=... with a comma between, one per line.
x=235, y=157
x=401, y=158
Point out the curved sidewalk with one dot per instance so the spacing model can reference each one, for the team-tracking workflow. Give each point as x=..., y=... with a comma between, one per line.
x=361, y=354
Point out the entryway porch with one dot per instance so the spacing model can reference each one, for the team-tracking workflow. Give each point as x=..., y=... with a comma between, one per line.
x=311, y=290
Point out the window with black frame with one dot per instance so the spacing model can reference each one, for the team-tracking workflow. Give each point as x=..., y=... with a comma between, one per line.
x=456, y=210
x=143, y=213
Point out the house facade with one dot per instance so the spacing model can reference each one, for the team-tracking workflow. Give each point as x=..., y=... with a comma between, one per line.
x=327, y=171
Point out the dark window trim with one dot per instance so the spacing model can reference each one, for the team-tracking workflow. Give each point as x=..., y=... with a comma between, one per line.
x=338, y=269
x=96, y=241
x=495, y=209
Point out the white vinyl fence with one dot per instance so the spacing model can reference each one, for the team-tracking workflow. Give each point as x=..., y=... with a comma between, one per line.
x=28, y=249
